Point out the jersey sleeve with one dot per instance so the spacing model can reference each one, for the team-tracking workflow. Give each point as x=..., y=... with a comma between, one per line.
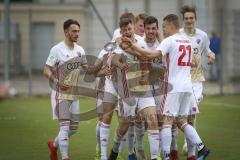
x=84, y=59
x=116, y=34
x=206, y=44
x=53, y=57
x=164, y=47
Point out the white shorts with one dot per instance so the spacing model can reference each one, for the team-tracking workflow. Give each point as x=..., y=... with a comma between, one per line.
x=110, y=93
x=176, y=104
x=127, y=110
x=197, y=91
x=65, y=109
x=196, y=98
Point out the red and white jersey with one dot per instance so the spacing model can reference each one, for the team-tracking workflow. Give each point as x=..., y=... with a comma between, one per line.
x=200, y=45
x=177, y=50
x=58, y=56
x=134, y=62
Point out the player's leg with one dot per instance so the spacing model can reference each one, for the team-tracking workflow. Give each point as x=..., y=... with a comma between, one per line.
x=189, y=131
x=126, y=114
x=190, y=149
x=108, y=109
x=53, y=144
x=170, y=106
x=64, y=123
x=158, y=101
x=166, y=136
x=99, y=105
x=174, y=147
x=147, y=108
x=110, y=100
x=139, y=131
x=123, y=142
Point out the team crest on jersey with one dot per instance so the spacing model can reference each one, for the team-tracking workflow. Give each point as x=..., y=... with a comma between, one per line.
x=198, y=41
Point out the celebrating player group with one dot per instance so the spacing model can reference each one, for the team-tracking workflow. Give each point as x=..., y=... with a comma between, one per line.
x=152, y=81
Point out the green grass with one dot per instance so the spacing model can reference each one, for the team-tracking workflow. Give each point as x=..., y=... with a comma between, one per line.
x=26, y=125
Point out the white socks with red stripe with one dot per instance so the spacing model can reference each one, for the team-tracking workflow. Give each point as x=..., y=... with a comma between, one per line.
x=174, y=139
x=63, y=138
x=139, y=137
x=153, y=138
x=104, y=138
x=130, y=139
x=192, y=135
x=166, y=141
x=98, y=134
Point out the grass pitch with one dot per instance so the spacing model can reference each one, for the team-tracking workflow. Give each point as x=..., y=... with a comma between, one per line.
x=26, y=125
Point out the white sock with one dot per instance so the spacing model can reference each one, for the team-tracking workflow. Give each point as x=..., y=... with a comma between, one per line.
x=123, y=144
x=98, y=134
x=73, y=128
x=174, y=139
x=191, y=148
x=160, y=142
x=117, y=141
x=63, y=138
x=130, y=139
x=104, y=137
x=192, y=135
x=153, y=138
x=139, y=137
x=166, y=141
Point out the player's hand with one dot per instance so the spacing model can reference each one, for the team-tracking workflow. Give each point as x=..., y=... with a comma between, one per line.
x=211, y=58
x=124, y=45
x=128, y=41
x=63, y=86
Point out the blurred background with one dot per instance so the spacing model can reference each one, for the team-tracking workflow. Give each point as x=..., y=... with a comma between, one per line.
x=29, y=28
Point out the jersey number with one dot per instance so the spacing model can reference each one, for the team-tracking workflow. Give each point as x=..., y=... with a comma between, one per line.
x=186, y=51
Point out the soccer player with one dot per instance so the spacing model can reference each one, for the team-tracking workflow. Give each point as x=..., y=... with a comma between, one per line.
x=139, y=24
x=145, y=104
x=100, y=83
x=200, y=45
x=177, y=49
x=129, y=138
x=110, y=97
x=65, y=103
x=152, y=41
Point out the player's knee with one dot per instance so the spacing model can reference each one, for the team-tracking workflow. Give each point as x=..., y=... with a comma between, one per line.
x=168, y=120
x=191, y=119
x=181, y=121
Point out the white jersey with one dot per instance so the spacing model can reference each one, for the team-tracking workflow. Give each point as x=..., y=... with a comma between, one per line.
x=60, y=54
x=200, y=43
x=134, y=70
x=177, y=50
x=153, y=46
